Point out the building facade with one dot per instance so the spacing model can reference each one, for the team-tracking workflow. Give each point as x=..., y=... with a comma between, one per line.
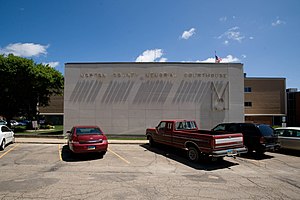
x=293, y=107
x=127, y=98
x=54, y=113
x=265, y=100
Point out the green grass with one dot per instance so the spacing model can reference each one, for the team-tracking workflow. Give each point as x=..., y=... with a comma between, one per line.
x=21, y=130
x=126, y=137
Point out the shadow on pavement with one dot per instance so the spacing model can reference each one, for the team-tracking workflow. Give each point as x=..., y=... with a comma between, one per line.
x=180, y=155
x=256, y=156
x=289, y=152
x=68, y=156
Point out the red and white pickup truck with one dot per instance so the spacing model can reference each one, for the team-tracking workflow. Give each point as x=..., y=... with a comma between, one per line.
x=198, y=143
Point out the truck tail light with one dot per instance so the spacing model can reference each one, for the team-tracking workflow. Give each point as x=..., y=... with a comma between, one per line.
x=242, y=139
x=213, y=143
x=262, y=140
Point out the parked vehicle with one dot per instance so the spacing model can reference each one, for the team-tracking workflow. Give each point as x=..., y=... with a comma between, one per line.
x=6, y=136
x=14, y=123
x=84, y=139
x=23, y=122
x=3, y=122
x=198, y=143
x=289, y=137
x=257, y=137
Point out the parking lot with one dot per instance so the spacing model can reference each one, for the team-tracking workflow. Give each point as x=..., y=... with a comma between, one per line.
x=49, y=171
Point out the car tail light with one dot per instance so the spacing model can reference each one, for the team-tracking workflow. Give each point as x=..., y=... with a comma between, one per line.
x=262, y=140
x=75, y=139
x=104, y=141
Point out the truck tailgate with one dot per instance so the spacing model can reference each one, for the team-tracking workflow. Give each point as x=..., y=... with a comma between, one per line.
x=228, y=141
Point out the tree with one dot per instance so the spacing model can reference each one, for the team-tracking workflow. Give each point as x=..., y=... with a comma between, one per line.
x=24, y=85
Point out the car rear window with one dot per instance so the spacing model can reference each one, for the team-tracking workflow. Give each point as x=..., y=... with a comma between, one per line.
x=220, y=127
x=87, y=131
x=266, y=130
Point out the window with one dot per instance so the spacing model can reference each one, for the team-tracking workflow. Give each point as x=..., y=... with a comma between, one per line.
x=185, y=125
x=87, y=131
x=221, y=127
x=248, y=104
x=162, y=125
x=234, y=129
x=169, y=126
x=247, y=89
x=5, y=129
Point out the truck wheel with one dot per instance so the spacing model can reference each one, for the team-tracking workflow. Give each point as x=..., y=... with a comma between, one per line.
x=151, y=142
x=193, y=154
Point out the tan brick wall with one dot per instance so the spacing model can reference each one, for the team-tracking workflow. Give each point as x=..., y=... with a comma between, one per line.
x=56, y=105
x=267, y=96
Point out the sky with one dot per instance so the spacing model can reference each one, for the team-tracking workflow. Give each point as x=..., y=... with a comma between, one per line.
x=263, y=35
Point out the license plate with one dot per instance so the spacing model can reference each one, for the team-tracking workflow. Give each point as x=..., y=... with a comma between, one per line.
x=231, y=152
x=91, y=147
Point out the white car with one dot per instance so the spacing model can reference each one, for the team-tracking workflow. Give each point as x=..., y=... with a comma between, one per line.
x=289, y=137
x=6, y=136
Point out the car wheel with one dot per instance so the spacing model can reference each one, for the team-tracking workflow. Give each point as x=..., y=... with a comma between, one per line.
x=2, y=146
x=102, y=153
x=193, y=154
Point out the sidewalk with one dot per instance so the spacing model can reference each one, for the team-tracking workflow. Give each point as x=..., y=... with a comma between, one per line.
x=64, y=141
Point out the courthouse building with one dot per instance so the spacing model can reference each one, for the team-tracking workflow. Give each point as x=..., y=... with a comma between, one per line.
x=127, y=98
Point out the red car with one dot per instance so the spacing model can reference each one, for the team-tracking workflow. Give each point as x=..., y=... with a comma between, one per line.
x=84, y=139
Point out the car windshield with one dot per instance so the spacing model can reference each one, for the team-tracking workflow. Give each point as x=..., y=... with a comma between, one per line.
x=88, y=131
x=266, y=130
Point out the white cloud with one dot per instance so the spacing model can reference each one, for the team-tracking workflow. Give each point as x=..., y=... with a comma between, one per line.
x=187, y=34
x=227, y=59
x=24, y=49
x=244, y=56
x=153, y=55
x=232, y=34
x=52, y=64
x=226, y=42
x=251, y=37
x=278, y=22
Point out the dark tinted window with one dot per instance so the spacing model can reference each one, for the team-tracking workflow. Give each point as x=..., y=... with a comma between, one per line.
x=287, y=133
x=249, y=129
x=87, y=131
x=5, y=129
x=235, y=128
x=266, y=130
x=247, y=89
x=220, y=127
x=248, y=104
